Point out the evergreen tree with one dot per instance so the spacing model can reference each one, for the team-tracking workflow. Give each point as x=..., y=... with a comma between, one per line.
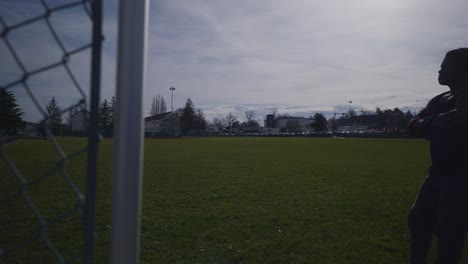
x=380, y=118
x=187, y=117
x=112, y=112
x=55, y=115
x=250, y=126
x=408, y=116
x=105, y=116
x=334, y=124
x=10, y=112
x=320, y=122
x=399, y=119
x=200, y=121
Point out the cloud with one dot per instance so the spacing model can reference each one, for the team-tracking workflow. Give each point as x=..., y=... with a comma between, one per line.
x=36, y=47
x=251, y=52
x=303, y=55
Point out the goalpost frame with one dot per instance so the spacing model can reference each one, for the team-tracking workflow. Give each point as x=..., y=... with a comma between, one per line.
x=128, y=131
x=93, y=138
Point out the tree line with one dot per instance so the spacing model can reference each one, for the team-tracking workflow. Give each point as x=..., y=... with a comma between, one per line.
x=192, y=119
x=394, y=120
x=11, y=115
x=56, y=121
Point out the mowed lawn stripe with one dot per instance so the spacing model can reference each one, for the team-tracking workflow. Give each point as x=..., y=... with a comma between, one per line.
x=256, y=200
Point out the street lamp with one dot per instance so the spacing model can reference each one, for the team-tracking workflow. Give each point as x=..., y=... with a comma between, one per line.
x=172, y=97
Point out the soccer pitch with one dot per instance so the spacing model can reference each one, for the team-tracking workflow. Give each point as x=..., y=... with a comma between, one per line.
x=239, y=200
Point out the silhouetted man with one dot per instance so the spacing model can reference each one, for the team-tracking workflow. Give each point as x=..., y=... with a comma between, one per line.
x=441, y=206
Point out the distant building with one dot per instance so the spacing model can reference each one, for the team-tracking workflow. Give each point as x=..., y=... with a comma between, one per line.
x=270, y=121
x=165, y=124
x=289, y=123
x=80, y=122
x=212, y=129
x=30, y=129
x=352, y=128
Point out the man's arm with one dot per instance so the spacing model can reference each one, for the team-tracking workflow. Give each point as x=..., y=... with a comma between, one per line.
x=420, y=125
x=462, y=107
x=458, y=117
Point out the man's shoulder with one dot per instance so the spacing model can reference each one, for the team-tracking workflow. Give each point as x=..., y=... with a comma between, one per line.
x=442, y=96
x=440, y=103
x=445, y=98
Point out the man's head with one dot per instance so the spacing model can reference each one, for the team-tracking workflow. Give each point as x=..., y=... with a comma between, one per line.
x=454, y=66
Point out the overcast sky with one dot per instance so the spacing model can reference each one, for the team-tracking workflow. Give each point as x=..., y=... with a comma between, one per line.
x=302, y=56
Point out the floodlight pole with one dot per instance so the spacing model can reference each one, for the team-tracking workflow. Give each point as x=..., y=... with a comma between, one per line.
x=128, y=131
x=172, y=98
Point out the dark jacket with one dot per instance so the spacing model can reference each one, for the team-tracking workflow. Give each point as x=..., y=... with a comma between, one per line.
x=420, y=125
x=444, y=121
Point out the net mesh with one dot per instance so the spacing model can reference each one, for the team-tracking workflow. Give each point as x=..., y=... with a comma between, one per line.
x=41, y=194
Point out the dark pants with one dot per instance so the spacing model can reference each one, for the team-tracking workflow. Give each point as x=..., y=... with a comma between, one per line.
x=440, y=209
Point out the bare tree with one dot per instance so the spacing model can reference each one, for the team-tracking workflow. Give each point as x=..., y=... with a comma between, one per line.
x=250, y=115
x=163, y=106
x=274, y=110
x=229, y=120
x=351, y=112
x=158, y=106
x=71, y=112
x=155, y=106
x=365, y=112
x=219, y=123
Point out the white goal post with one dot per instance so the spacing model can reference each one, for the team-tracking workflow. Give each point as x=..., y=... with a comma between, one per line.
x=128, y=131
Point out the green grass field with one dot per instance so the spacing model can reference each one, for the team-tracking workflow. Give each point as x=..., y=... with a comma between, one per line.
x=236, y=200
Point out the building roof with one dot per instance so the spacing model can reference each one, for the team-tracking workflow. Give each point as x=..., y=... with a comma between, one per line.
x=85, y=111
x=295, y=117
x=158, y=116
x=31, y=123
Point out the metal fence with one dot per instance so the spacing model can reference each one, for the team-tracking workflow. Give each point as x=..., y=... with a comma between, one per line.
x=27, y=218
